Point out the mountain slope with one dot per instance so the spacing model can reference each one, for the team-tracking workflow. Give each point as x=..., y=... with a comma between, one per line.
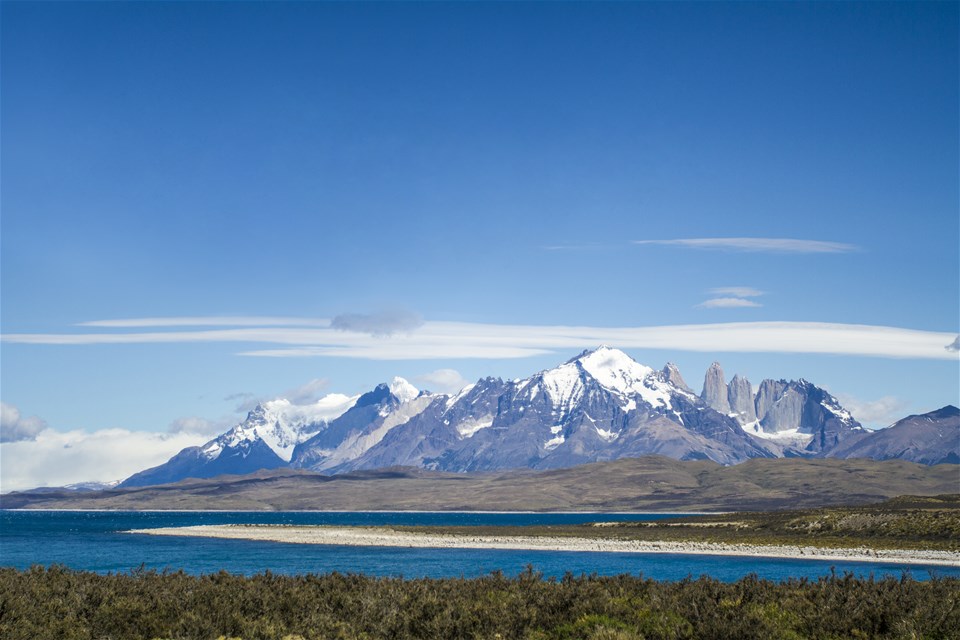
x=930, y=438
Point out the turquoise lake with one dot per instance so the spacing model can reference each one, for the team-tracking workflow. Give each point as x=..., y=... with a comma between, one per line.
x=94, y=541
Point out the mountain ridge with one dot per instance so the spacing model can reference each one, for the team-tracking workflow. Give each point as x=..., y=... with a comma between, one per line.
x=600, y=405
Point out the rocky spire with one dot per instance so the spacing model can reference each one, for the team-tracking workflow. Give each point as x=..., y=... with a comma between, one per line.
x=672, y=375
x=740, y=397
x=715, y=389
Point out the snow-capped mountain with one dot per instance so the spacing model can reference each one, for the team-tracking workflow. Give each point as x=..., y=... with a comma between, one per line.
x=600, y=405
x=266, y=439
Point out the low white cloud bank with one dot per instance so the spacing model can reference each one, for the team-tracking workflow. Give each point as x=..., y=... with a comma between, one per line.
x=14, y=427
x=56, y=458
x=443, y=340
x=443, y=381
x=757, y=245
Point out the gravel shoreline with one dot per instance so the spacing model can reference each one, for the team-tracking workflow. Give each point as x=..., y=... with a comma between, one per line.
x=384, y=537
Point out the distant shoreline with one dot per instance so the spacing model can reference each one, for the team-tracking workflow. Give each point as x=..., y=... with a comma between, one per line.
x=438, y=511
x=385, y=537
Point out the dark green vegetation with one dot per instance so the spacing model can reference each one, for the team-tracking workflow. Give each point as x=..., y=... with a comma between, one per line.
x=906, y=522
x=651, y=483
x=59, y=603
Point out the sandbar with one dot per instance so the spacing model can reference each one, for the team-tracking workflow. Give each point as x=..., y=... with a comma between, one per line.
x=386, y=537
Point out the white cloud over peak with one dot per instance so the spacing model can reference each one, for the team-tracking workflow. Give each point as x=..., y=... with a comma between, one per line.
x=443, y=380
x=199, y=426
x=757, y=245
x=307, y=393
x=875, y=414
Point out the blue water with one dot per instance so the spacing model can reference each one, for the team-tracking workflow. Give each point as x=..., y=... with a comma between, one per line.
x=94, y=541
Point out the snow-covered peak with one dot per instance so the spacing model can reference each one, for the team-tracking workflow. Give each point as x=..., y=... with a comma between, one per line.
x=282, y=425
x=403, y=390
x=617, y=371
x=614, y=369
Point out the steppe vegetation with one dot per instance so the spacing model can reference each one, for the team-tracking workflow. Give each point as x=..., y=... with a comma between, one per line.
x=906, y=522
x=56, y=602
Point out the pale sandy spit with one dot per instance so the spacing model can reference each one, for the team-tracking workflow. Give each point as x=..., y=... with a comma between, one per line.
x=385, y=537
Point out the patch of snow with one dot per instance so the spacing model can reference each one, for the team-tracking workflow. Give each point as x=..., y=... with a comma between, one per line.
x=609, y=436
x=454, y=399
x=563, y=386
x=556, y=429
x=553, y=443
x=787, y=437
x=468, y=428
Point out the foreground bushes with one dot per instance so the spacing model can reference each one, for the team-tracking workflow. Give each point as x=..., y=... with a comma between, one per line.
x=60, y=603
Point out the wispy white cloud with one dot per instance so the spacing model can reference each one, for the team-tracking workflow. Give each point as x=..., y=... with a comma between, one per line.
x=307, y=393
x=448, y=340
x=14, y=427
x=443, y=380
x=737, y=292
x=207, y=321
x=727, y=303
x=200, y=426
x=757, y=245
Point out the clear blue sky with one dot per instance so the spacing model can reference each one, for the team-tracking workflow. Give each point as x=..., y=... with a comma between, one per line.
x=488, y=163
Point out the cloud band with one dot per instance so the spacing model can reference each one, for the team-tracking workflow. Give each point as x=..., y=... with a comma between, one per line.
x=443, y=340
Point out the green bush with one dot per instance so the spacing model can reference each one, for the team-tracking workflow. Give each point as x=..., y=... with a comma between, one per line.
x=57, y=602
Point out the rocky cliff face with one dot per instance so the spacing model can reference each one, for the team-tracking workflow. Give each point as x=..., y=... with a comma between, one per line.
x=741, y=400
x=801, y=416
x=672, y=375
x=715, y=389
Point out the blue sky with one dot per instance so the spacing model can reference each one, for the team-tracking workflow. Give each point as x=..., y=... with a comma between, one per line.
x=439, y=172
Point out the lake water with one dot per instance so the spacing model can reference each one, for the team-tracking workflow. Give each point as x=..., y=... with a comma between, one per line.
x=94, y=541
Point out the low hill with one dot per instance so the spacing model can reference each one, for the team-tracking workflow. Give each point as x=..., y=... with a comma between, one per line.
x=650, y=483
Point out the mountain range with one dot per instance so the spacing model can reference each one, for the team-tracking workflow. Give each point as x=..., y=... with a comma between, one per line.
x=599, y=406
